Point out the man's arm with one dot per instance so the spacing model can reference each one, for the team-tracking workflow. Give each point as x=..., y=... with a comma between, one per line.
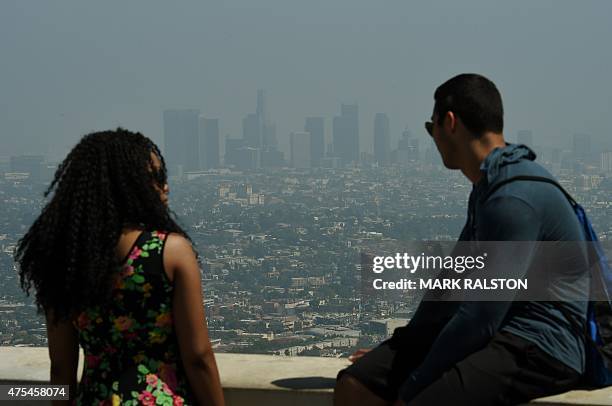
x=475, y=322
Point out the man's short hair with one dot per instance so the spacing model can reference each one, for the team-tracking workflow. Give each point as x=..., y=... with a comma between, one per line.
x=475, y=99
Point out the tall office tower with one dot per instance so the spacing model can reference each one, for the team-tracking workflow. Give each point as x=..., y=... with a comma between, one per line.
x=606, y=161
x=30, y=164
x=581, y=144
x=232, y=151
x=382, y=139
x=407, y=149
x=525, y=137
x=181, y=140
x=249, y=158
x=267, y=127
x=259, y=134
x=251, y=131
x=346, y=134
x=300, y=149
x=209, y=143
x=240, y=155
x=262, y=109
x=272, y=158
x=316, y=127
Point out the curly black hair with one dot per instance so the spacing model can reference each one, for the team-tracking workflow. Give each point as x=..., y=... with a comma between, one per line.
x=107, y=183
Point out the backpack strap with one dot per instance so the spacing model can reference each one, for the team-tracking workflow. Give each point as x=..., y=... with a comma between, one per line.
x=578, y=328
x=497, y=185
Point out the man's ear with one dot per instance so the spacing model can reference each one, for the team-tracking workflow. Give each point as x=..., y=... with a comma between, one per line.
x=450, y=122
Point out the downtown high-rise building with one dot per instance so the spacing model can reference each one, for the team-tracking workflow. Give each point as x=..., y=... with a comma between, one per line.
x=346, y=134
x=259, y=134
x=209, y=143
x=252, y=131
x=182, y=141
x=315, y=126
x=300, y=149
x=382, y=139
x=407, y=149
x=268, y=128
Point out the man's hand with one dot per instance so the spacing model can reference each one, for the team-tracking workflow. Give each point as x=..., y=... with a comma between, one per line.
x=358, y=354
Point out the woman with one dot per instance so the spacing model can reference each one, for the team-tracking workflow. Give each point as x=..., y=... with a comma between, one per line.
x=114, y=273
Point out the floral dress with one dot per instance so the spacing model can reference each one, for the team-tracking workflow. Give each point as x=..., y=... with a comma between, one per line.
x=131, y=350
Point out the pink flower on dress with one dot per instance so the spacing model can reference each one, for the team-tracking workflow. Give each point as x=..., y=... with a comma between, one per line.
x=151, y=379
x=135, y=253
x=177, y=401
x=167, y=389
x=128, y=270
x=146, y=398
x=123, y=323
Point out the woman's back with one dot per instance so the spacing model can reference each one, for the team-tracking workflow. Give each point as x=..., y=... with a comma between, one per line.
x=131, y=348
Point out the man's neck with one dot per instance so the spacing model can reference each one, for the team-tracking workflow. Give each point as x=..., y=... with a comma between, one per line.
x=476, y=152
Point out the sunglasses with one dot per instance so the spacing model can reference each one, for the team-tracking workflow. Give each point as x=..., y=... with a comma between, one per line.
x=429, y=128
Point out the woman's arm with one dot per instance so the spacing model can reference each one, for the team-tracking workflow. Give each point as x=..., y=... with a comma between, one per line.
x=64, y=355
x=190, y=321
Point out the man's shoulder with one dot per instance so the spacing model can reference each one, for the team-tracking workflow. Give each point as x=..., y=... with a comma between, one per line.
x=535, y=193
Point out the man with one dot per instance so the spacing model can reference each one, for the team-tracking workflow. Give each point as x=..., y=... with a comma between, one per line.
x=476, y=352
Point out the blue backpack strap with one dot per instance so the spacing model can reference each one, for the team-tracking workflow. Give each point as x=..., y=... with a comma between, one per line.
x=598, y=352
x=499, y=184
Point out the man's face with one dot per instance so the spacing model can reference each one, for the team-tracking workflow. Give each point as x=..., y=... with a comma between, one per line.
x=443, y=138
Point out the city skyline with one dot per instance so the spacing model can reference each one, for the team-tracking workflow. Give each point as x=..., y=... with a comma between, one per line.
x=548, y=58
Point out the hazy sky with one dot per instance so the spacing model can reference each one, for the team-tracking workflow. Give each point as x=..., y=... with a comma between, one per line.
x=69, y=67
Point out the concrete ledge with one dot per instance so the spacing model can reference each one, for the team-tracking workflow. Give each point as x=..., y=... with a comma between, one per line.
x=257, y=379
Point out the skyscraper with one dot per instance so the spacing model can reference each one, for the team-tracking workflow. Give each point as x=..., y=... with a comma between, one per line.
x=181, y=140
x=232, y=151
x=267, y=127
x=315, y=126
x=240, y=155
x=382, y=139
x=300, y=149
x=407, y=149
x=209, y=143
x=259, y=134
x=251, y=131
x=346, y=134
x=525, y=137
